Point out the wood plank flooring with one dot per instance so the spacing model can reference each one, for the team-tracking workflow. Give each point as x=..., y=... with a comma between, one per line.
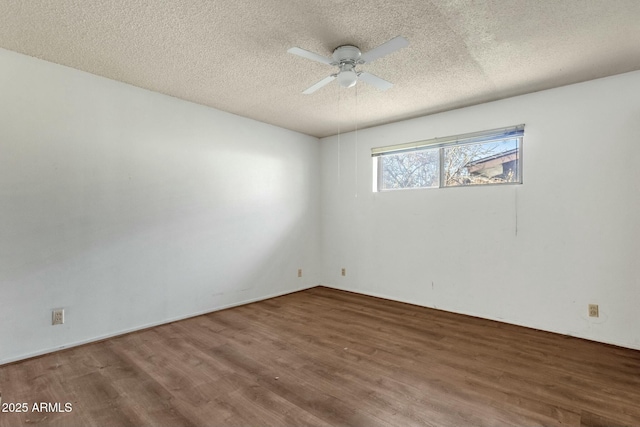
x=326, y=357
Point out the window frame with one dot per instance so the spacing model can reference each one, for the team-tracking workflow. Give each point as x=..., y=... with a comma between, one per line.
x=482, y=137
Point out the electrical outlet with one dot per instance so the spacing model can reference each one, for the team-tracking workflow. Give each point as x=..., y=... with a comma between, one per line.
x=344, y=271
x=58, y=316
x=299, y=272
x=593, y=310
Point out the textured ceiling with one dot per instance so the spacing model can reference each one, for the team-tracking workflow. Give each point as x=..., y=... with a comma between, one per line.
x=232, y=54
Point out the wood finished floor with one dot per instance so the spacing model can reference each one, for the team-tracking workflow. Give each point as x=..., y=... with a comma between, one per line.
x=326, y=357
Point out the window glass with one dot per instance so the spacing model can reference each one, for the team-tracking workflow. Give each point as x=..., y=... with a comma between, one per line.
x=416, y=169
x=493, y=162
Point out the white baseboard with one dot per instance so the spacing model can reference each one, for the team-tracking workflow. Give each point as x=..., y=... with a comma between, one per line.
x=148, y=325
x=387, y=297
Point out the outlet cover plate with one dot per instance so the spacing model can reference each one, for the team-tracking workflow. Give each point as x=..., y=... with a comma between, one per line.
x=57, y=316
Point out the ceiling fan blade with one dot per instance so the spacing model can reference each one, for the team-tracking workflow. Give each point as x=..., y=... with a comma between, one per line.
x=384, y=49
x=320, y=84
x=310, y=55
x=375, y=81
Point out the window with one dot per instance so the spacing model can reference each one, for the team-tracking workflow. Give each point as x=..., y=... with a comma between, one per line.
x=481, y=158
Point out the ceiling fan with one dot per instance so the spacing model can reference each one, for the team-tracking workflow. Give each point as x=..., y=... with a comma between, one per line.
x=346, y=58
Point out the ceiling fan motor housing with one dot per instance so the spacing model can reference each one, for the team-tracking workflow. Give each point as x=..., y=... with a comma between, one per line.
x=347, y=54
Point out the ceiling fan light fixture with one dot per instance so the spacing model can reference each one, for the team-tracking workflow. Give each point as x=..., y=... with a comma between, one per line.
x=347, y=78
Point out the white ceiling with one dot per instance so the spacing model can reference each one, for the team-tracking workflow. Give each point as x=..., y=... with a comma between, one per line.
x=232, y=54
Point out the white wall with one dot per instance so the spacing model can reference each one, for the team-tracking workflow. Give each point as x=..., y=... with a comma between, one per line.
x=457, y=249
x=129, y=208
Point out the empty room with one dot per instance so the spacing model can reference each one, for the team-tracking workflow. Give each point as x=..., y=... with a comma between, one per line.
x=327, y=213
